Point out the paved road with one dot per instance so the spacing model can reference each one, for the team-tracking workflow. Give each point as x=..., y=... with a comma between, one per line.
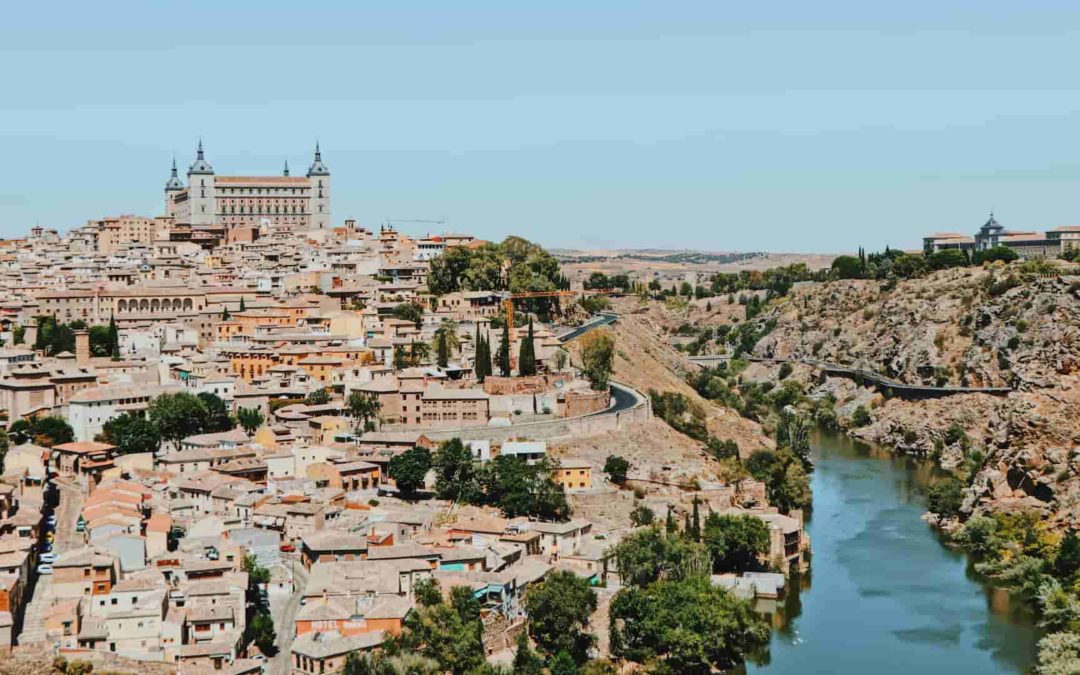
x=285, y=617
x=67, y=513
x=600, y=320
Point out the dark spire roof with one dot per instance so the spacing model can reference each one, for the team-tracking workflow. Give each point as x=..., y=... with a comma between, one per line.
x=286, y=168
x=174, y=182
x=200, y=165
x=992, y=223
x=317, y=167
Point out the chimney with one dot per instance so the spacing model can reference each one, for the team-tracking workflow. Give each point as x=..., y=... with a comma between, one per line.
x=82, y=347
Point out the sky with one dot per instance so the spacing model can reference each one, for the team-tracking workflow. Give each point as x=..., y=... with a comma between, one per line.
x=781, y=126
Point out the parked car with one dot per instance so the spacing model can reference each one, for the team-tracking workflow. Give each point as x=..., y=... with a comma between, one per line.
x=44, y=569
x=48, y=558
x=288, y=548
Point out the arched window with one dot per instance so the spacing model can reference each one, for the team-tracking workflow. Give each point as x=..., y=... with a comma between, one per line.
x=155, y=305
x=144, y=305
x=122, y=306
x=187, y=303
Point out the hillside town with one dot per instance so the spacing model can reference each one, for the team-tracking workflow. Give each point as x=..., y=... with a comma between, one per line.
x=245, y=436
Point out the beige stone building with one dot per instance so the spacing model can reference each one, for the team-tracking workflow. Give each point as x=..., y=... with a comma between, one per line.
x=249, y=201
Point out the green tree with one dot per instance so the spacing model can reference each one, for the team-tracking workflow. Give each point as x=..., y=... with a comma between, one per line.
x=642, y=516
x=177, y=416
x=695, y=521
x=502, y=356
x=43, y=431
x=526, y=661
x=527, y=354
x=787, y=486
x=861, y=417
x=945, y=497
x=131, y=433
x=318, y=397
x=847, y=267
x=363, y=408
x=409, y=469
x=442, y=350
x=114, y=339
x=257, y=574
x=408, y=311
x=401, y=359
x=243, y=306
x=449, y=634
x=100, y=341
x=647, y=555
x=250, y=419
x=427, y=592
x=455, y=472
x=735, y=542
x=5, y=445
x=481, y=359
x=597, y=356
x=559, y=608
x=616, y=468
x=688, y=625
x=262, y=633
x=563, y=664
x=793, y=433
x=1067, y=559
x=216, y=413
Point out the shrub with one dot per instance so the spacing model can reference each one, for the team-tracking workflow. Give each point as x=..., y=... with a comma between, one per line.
x=861, y=417
x=945, y=497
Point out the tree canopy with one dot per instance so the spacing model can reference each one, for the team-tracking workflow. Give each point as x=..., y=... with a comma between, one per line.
x=131, y=433
x=597, y=356
x=409, y=469
x=559, y=608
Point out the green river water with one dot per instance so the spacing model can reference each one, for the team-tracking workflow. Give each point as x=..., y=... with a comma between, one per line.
x=884, y=595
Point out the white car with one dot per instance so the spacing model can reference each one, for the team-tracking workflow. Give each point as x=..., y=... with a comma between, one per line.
x=44, y=569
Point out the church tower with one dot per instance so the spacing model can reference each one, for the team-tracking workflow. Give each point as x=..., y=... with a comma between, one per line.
x=201, y=190
x=173, y=186
x=319, y=180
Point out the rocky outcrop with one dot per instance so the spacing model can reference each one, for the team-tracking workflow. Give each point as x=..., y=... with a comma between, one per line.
x=972, y=326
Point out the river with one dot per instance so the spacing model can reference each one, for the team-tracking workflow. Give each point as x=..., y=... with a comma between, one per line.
x=884, y=595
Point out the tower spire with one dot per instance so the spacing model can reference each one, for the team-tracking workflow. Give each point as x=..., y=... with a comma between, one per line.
x=200, y=154
x=318, y=154
x=286, y=167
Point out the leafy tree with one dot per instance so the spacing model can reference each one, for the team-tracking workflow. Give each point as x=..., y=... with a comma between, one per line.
x=401, y=359
x=100, y=341
x=563, y=664
x=945, y=497
x=559, y=608
x=363, y=408
x=262, y=633
x=1059, y=654
x=43, y=431
x=861, y=417
x=616, y=468
x=646, y=555
x=561, y=358
x=735, y=542
x=455, y=472
x=5, y=445
x=597, y=356
x=427, y=592
x=250, y=419
x=642, y=516
x=407, y=311
x=688, y=625
x=847, y=267
x=409, y=469
x=216, y=415
x=318, y=397
x=177, y=416
x=786, y=483
x=418, y=353
x=695, y=522
x=502, y=356
x=527, y=354
x=449, y=634
x=1067, y=559
x=131, y=433
x=257, y=574
x=526, y=661
x=793, y=433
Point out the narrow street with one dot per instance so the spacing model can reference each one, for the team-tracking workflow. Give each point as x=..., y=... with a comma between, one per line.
x=284, y=613
x=67, y=513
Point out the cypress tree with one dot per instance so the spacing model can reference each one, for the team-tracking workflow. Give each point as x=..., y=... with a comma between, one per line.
x=527, y=354
x=114, y=339
x=670, y=524
x=442, y=350
x=695, y=523
x=503, y=355
x=242, y=306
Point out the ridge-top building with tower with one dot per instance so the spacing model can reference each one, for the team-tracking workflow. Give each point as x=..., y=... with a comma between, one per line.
x=210, y=200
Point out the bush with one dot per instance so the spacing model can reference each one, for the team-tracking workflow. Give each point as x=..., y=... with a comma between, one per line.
x=861, y=417
x=785, y=370
x=616, y=467
x=945, y=497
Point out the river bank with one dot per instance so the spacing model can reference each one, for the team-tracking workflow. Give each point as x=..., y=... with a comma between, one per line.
x=884, y=593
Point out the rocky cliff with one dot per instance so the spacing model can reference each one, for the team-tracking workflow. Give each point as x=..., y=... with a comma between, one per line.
x=997, y=326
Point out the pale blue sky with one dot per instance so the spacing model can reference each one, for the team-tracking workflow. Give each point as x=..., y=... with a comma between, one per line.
x=786, y=126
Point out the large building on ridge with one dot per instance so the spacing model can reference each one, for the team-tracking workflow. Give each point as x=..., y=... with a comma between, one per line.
x=301, y=202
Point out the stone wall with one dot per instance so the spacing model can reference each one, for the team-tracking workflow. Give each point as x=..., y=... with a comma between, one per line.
x=583, y=425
